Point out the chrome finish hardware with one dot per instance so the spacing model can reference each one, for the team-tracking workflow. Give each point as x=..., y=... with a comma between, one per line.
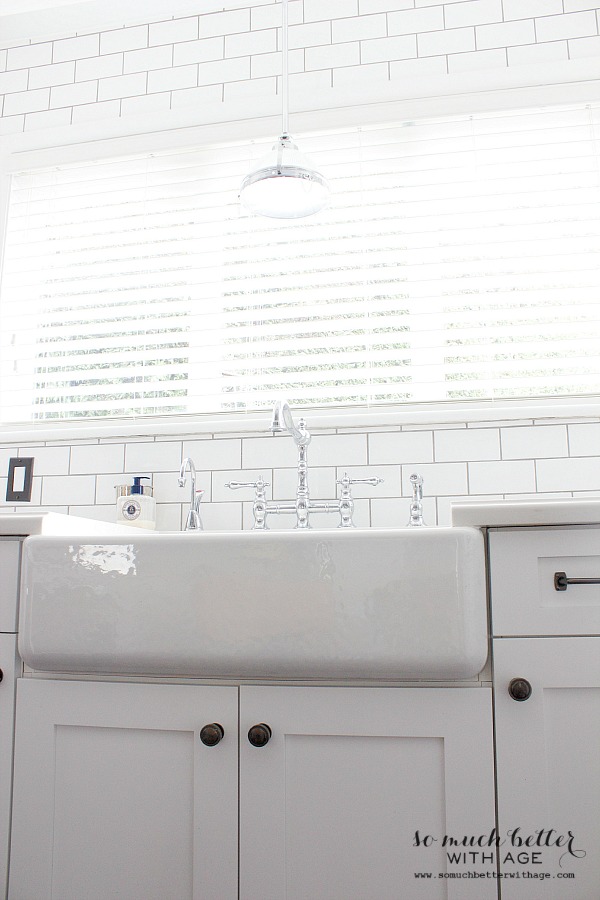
x=416, y=504
x=259, y=507
x=212, y=734
x=259, y=735
x=520, y=689
x=561, y=582
x=193, y=521
x=346, y=501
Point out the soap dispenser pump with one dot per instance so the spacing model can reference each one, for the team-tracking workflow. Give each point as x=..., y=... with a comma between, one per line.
x=135, y=503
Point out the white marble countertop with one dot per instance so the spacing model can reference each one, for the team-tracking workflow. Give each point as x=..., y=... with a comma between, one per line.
x=485, y=513
x=24, y=523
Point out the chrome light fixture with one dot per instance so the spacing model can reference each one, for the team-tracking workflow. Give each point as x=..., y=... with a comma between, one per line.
x=284, y=184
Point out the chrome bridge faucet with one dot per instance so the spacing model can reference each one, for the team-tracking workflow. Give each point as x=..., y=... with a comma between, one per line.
x=303, y=506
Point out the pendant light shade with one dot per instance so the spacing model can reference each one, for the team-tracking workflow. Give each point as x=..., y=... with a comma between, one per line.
x=284, y=184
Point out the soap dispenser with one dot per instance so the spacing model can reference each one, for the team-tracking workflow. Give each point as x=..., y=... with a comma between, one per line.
x=135, y=503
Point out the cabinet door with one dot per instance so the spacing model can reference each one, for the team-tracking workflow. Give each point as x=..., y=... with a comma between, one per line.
x=330, y=806
x=8, y=666
x=548, y=762
x=116, y=796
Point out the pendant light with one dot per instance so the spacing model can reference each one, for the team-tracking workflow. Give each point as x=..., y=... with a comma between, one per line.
x=284, y=184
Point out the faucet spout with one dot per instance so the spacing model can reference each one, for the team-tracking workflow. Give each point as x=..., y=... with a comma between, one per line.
x=283, y=413
x=193, y=521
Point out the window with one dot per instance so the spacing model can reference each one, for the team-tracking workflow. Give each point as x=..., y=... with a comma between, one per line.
x=458, y=261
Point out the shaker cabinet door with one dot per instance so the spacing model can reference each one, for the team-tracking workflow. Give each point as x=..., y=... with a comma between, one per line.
x=331, y=804
x=548, y=763
x=116, y=796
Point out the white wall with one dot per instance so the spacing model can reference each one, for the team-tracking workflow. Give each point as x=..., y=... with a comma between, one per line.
x=115, y=68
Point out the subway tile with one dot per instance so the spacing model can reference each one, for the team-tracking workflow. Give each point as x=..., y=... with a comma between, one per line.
x=96, y=458
x=220, y=516
x=248, y=91
x=26, y=101
x=505, y=477
x=316, y=10
x=402, y=46
x=584, y=439
x=464, y=444
x=53, y=118
x=224, y=70
x=73, y=94
x=478, y=60
x=332, y=56
x=579, y=48
x=505, y=34
x=414, y=21
x=122, y=86
x=153, y=457
x=167, y=490
x=215, y=454
x=397, y=447
x=94, y=112
x=267, y=64
x=106, y=487
x=76, y=48
x=251, y=42
x=365, y=7
x=536, y=54
x=47, y=460
x=351, y=77
x=572, y=25
x=29, y=56
x=534, y=442
x=205, y=50
x=269, y=16
x=321, y=480
x=46, y=76
x=358, y=29
x=438, y=478
x=524, y=9
x=10, y=82
x=575, y=5
x=149, y=58
x=338, y=450
x=578, y=474
x=207, y=95
x=99, y=67
x=78, y=490
x=146, y=105
x=473, y=12
x=168, y=517
x=173, y=31
x=270, y=451
x=97, y=513
x=124, y=39
x=453, y=40
x=425, y=67
x=313, y=35
x=223, y=23
x=172, y=79
x=3, y=58
x=303, y=84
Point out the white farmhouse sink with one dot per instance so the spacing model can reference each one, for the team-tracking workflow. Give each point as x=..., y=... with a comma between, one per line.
x=344, y=604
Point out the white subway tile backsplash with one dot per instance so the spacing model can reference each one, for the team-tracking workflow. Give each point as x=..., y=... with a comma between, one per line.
x=313, y=35
x=198, y=51
x=221, y=453
x=465, y=444
x=10, y=82
x=269, y=16
x=29, y=56
x=572, y=25
x=398, y=446
x=223, y=23
x=267, y=64
x=53, y=118
x=173, y=31
x=536, y=54
x=579, y=474
x=219, y=516
x=251, y=42
x=337, y=450
x=146, y=105
x=98, y=67
x=480, y=59
x=316, y=10
x=124, y=39
x=78, y=490
x=46, y=76
x=455, y=40
x=416, y=20
x=96, y=458
x=576, y=5
x=47, y=460
x=524, y=9
x=438, y=478
x=26, y=101
x=223, y=70
x=580, y=48
x=12, y=124
x=76, y=48
x=144, y=457
x=366, y=7
x=186, y=99
x=122, y=86
x=506, y=477
x=534, y=442
x=584, y=439
x=358, y=29
x=172, y=79
x=505, y=34
x=403, y=46
x=332, y=56
x=73, y=94
x=3, y=56
x=149, y=58
x=425, y=67
x=93, y=112
x=355, y=77
x=473, y=12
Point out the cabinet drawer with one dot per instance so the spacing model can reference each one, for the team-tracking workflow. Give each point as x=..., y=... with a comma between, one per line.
x=524, y=564
x=9, y=583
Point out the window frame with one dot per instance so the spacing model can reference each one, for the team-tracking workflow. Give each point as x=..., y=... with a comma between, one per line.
x=105, y=139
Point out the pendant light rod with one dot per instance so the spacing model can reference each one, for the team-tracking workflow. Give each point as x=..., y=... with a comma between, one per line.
x=284, y=68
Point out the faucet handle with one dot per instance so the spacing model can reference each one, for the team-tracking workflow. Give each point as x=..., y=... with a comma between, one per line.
x=346, y=481
x=258, y=485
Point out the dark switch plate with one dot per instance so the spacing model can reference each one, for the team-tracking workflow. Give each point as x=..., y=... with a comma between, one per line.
x=20, y=478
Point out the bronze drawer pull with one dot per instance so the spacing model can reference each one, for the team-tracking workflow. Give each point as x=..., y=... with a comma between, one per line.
x=561, y=582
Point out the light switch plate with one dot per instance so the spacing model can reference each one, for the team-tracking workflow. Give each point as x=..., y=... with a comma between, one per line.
x=20, y=478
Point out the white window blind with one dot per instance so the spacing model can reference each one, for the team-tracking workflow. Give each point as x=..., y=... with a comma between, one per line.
x=458, y=261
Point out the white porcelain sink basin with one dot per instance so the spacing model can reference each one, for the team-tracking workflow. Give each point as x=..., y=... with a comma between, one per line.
x=344, y=604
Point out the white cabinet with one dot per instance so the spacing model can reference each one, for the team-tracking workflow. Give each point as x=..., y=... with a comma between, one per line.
x=548, y=761
x=116, y=796
x=547, y=731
